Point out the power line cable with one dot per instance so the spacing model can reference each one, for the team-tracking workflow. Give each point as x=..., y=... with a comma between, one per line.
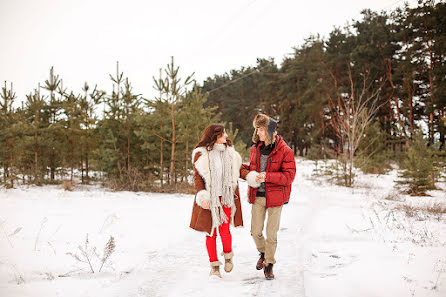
x=257, y=69
x=239, y=78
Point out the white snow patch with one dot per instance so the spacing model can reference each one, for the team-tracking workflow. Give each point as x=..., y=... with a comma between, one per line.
x=333, y=242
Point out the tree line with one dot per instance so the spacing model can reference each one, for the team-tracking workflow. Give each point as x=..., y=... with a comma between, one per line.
x=119, y=137
x=364, y=92
x=362, y=95
x=400, y=53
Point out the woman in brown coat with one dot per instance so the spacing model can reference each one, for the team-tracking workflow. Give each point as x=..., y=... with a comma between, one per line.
x=217, y=168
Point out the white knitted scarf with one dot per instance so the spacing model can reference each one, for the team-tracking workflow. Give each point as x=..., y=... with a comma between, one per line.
x=218, y=215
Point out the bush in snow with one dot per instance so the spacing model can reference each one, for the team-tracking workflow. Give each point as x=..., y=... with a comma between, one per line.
x=316, y=153
x=131, y=179
x=89, y=254
x=68, y=185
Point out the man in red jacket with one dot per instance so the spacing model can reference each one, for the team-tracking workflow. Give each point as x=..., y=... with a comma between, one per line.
x=272, y=170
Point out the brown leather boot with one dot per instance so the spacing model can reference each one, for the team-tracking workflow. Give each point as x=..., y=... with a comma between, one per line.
x=268, y=271
x=259, y=264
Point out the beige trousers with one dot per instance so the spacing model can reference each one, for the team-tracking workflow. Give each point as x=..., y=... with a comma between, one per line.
x=258, y=214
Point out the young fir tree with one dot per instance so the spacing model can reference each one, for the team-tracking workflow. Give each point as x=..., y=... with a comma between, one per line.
x=35, y=105
x=372, y=154
x=21, y=150
x=72, y=131
x=88, y=121
x=118, y=153
x=8, y=133
x=172, y=89
x=54, y=130
x=238, y=143
x=154, y=131
x=130, y=108
x=193, y=117
x=108, y=154
x=110, y=151
x=418, y=171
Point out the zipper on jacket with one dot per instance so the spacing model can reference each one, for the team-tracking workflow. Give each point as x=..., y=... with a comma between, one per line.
x=269, y=165
x=272, y=153
x=257, y=158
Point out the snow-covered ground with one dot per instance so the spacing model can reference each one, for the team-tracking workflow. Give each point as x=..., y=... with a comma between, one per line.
x=333, y=242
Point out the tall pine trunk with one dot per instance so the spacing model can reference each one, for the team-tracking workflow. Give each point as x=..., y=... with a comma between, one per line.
x=82, y=167
x=187, y=156
x=128, y=149
x=161, y=164
x=172, y=152
x=52, y=165
x=11, y=161
x=36, y=147
x=86, y=164
x=442, y=136
x=411, y=120
x=394, y=97
x=431, y=88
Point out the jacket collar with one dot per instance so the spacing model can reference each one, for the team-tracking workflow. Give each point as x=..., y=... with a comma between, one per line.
x=202, y=164
x=278, y=144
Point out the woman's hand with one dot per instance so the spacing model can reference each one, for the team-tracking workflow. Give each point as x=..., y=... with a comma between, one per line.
x=260, y=178
x=205, y=204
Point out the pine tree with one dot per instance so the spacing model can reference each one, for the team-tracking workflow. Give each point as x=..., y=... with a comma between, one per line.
x=119, y=153
x=54, y=130
x=72, y=130
x=238, y=143
x=372, y=154
x=35, y=106
x=21, y=150
x=427, y=23
x=154, y=131
x=88, y=120
x=193, y=117
x=418, y=171
x=8, y=133
x=172, y=89
x=130, y=107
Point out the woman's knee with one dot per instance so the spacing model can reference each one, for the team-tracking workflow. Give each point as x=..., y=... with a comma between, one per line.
x=224, y=230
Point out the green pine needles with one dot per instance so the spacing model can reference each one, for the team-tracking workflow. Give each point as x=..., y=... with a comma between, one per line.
x=418, y=172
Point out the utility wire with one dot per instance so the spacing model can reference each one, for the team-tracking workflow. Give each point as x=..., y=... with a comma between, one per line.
x=257, y=69
x=239, y=78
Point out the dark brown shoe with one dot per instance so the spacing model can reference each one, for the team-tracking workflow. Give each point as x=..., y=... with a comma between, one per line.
x=259, y=264
x=268, y=271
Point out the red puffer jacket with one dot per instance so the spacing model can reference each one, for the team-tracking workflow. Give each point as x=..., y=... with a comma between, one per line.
x=280, y=172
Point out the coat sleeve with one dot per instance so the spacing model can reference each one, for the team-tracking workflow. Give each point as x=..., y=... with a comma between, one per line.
x=200, y=189
x=244, y=170
x=287, y=171
x=249, y=175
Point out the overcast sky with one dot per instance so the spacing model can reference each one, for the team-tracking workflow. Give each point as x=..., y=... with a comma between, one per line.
x=83, y=39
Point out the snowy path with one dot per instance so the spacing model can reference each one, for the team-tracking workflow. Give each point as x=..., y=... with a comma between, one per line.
x=182, y=269
x=157, y=254
x=324, y=247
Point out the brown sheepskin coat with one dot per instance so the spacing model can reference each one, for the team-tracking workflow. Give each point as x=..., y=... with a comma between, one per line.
x=201, y=219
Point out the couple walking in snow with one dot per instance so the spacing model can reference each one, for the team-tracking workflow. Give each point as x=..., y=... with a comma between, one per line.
x=218, y=166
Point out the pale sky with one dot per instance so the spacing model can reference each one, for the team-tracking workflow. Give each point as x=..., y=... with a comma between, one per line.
x=83, y=39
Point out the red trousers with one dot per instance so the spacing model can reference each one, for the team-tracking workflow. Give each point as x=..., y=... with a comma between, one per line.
x=226, y=238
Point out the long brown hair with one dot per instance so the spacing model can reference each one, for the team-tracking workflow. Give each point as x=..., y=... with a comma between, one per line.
x=210, y=135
